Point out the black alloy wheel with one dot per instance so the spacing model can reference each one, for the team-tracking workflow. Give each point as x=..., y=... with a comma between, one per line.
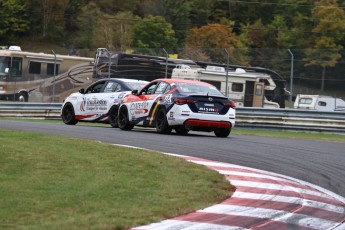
x=67, y=115
x=181, y=130
x=123, y=120
x=113, y=116
x=162, y=125
x=222, y=132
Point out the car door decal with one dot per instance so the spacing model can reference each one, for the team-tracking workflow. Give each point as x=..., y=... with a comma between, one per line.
x=154, y=111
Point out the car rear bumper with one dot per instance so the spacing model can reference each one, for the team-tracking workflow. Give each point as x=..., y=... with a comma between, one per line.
x=190, y=123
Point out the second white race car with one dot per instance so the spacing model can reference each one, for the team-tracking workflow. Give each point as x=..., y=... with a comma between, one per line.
x=99, y=102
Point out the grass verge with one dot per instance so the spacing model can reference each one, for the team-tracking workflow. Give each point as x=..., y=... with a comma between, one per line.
x=53, y=182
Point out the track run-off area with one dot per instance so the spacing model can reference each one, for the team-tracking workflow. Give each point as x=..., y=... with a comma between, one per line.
x=280, y=183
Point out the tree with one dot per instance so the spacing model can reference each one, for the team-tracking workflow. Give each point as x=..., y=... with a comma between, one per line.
x=48, y=17
x=87, y=21
x=213, y=39
x=177, y=12
x=154, y=32
x=114, y=32
x=14, y=19
x=328, y=32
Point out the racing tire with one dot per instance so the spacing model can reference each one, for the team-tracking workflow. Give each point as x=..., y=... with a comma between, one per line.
x=162, y=125
x=68, y=115
x=123, y=120
x=222, y=132
x=113, y=116
x=181, y=130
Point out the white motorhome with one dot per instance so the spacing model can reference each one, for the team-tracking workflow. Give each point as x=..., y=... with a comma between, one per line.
x=319, y=102
x=247, y=89
x=39, y=77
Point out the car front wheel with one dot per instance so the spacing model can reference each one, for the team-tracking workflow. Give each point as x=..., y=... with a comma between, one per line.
x=123, y=120
x=67, y=115
x=162, y=125
x=113, y=116
x=222, y=132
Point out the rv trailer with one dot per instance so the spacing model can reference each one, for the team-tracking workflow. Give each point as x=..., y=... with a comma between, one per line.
x=247, y=89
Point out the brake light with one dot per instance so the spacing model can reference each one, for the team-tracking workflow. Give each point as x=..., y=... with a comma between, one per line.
x=230, y=104
x=181, y=101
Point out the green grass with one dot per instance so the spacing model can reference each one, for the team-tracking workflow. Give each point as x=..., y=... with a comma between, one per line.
x=53, y=182
x=291, y=134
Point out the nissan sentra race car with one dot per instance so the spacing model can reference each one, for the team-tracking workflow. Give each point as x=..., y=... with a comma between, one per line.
x=98, y=103
x=182, y=105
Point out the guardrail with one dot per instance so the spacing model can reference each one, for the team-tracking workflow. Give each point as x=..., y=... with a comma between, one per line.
x=282, y=119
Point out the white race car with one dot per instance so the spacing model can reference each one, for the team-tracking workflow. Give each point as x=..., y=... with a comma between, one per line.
x=178, y=104
x=99, y=102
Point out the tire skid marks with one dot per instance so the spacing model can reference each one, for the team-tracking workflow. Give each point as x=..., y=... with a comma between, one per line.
x=323, y=199
x=186, y=225
x=291, y=200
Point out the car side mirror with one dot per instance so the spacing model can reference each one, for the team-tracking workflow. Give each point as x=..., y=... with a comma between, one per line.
x=82, y=91
x=135, y=92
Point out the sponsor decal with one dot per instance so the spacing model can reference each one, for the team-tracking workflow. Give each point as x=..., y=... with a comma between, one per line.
x=82, y=105
x=93, y=105
x=168, y=98
x=139, y=108
x=207, y=109
x=121, y=95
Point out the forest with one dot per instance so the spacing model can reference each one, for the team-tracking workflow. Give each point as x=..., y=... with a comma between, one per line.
x=303, y=39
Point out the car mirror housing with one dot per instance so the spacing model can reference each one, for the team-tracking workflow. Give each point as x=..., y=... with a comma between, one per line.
x=135, y=92
x=82, y=91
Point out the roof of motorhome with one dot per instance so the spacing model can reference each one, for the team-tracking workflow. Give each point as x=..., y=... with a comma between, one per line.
x=8, y=53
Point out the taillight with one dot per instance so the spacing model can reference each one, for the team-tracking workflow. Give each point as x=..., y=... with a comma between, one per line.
x=181, y=101
x=230, y=104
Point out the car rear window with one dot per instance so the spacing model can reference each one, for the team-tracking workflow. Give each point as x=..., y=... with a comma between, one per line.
x=198, y=88
x=136, y=84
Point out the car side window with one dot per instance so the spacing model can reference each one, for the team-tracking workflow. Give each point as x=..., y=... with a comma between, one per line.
x=149, y=89
x=96, y=88
x=112, y=87
x=161, y=88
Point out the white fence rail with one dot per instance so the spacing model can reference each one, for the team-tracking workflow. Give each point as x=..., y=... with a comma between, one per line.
x=282, y=119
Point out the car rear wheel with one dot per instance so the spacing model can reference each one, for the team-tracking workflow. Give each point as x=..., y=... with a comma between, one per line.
x=162, y=125
x=67, y=115
x=222, y=132
x=123, y=120
x=113, y=116
x=181, y=130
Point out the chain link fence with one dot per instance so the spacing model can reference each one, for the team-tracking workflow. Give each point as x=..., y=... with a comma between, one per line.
x=317, y=74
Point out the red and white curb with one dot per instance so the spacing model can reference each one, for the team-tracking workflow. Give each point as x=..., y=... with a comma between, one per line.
x=262, y=200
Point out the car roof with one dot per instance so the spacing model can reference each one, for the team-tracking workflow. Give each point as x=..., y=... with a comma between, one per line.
x=173, y=80
x=122, y=80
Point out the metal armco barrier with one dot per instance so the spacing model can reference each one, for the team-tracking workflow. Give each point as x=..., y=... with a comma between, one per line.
x=281, y=119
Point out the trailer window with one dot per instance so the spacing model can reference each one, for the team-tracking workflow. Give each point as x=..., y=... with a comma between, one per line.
x=35, y=67
x=322, y=103
x=306, y=101
x=258, y=90
x=50, y=69
x=237, y=87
